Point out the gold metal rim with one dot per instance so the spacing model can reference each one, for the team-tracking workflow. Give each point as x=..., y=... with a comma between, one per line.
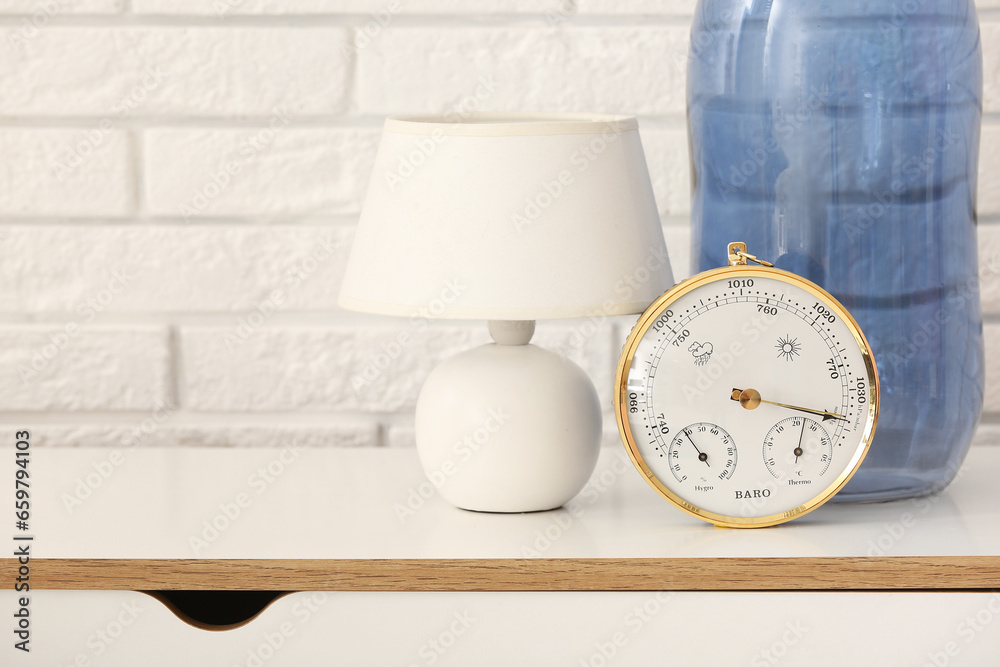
x=642, y=326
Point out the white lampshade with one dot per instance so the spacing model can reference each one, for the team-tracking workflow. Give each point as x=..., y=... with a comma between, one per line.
x=508, y=217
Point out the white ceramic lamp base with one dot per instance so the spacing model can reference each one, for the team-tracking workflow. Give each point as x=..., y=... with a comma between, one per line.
x=508, y=426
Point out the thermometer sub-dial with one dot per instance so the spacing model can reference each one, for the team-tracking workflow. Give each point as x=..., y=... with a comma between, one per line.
x=798, y=450
x=702, y=454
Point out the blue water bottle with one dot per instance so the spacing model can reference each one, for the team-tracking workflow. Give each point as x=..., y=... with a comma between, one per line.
x=840, y=139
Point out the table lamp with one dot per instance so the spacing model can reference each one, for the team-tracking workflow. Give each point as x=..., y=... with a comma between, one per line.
x=508, y=218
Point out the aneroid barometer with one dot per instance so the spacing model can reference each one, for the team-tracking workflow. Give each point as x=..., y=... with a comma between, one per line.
x=746, y=395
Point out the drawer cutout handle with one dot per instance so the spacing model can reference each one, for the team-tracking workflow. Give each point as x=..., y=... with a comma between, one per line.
x=217, y=610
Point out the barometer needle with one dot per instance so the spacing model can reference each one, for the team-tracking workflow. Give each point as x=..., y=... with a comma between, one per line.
x=750, y=399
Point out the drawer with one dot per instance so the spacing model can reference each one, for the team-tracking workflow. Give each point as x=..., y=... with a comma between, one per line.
x=126, y=629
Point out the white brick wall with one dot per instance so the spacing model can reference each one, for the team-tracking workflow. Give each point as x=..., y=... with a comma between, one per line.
x=77, y=172
x=174, y=71
x=179, y=180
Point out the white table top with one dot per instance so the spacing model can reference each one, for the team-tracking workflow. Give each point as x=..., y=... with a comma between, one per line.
x=353, y=503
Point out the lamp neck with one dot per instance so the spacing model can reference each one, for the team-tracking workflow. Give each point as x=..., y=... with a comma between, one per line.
x=512, y=332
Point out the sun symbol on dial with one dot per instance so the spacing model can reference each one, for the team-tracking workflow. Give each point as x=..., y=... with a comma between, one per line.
x=788, y=347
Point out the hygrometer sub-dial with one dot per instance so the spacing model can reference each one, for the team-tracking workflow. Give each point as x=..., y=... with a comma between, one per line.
x=798, y=451
x=703, y=455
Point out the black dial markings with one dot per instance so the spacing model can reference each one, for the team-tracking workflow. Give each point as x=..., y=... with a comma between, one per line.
x=667, y=336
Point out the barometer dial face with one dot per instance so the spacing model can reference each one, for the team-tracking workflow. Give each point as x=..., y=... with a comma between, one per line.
x=746, y=396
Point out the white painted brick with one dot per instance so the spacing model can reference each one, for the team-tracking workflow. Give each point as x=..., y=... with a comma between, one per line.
x=87, y=271
x=990, y=38
x=43, y=11
x=991, y=334
x=404, y=435
x=988, y=202
x=988, y=435
x=635, y=70
x=286, y=171
x=678, y=240
x=170, y=434
x=989, y=268
x=202, y=71
x=349, y=368
x=401, y=435
x=683, y=8
x=52, y=368
x=669, y=169
x=312, y=368
x=70, y=172
x=381, y=8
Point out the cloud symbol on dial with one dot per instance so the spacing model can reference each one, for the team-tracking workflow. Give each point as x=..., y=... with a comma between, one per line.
x=699, y=350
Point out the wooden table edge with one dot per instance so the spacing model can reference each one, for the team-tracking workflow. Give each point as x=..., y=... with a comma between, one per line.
x=513, y=574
